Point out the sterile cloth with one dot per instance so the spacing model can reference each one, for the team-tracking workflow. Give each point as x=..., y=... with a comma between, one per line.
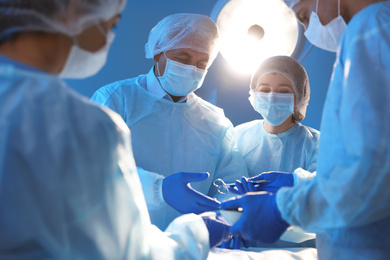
x=254, y=253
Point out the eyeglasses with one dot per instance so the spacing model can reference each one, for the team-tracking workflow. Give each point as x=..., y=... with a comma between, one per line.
x=223, y=188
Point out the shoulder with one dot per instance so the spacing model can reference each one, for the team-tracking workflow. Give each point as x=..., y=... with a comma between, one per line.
x=90, y=115
x=251, y=125
x=207, y=105
x=118, y=89
x=373, y=21
x=213, y=113
x=310, y=132
x=308, y=137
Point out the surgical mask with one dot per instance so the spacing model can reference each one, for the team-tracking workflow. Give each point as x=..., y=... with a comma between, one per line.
x=82, y=64
x=325, y=37
x=180, y=79
x=275, y=108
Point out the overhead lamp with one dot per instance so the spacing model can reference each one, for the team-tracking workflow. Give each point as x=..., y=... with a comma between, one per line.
x=253, y=30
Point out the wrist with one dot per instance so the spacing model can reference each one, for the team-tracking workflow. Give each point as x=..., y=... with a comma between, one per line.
x=282, y=223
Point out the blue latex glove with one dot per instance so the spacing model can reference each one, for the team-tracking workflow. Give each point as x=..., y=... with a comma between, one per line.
x=236, y=243
x=261, y=219
x=218, y=228
x=277, y=181
x=179, y=194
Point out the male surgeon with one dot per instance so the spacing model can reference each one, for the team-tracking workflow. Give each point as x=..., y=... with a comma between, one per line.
x=348, y=203
x=177, y=137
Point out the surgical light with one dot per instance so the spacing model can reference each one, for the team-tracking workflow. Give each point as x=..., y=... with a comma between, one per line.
x=253, y=30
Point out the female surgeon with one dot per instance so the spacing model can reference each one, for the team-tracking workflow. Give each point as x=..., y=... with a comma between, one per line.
x=280, y=93
x=68, y=182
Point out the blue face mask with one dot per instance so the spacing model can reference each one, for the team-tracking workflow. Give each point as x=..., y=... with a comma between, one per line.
x=180, y=79
x=275, y=108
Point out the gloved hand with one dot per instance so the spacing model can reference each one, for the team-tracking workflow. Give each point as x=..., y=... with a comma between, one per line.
x=261, y=219
x=218, y=228
x=179, y=194
x=277, y=181
x=236, y=243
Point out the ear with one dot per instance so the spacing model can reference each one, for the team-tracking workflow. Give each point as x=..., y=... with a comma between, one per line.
x=157, y=57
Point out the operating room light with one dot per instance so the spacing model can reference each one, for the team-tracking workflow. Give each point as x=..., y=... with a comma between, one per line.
x=253, y=30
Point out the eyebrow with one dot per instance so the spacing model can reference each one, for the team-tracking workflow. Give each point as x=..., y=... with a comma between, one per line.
x=183, y=54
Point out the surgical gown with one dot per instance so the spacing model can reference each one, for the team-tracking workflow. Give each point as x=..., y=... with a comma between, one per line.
x=348, y=202
x=263, y=152
x=68, y=183
x=169, y=137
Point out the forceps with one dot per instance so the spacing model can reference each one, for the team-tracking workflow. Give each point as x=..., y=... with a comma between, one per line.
x=223, y=188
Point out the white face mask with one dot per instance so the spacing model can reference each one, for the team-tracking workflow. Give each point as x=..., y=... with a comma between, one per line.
x=325, y=37
x=82, y=64
x=180, y=79
x=275, y=108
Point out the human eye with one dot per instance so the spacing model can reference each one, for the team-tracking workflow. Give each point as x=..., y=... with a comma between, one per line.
x=182, y=59
x=285, y=90
x=202, y=65
x=264, y=89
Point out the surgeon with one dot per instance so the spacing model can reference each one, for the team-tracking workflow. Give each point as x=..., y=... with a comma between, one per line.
x=69, y=188
x=348, y=202
x=280, y=93
x=177, y=137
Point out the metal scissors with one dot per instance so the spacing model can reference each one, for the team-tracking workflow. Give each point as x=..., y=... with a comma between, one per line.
x=223, y=188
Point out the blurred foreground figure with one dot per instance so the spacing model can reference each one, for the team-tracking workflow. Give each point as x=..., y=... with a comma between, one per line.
x=69, y=188
x=348, y=203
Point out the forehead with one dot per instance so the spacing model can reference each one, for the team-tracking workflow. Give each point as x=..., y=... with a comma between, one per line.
x=274, y=79
x=190, y=53
x=307, y=3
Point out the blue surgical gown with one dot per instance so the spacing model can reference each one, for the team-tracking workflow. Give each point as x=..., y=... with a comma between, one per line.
x=263, y=152
x=64, y=164
x=348, y=203
x=169, y=137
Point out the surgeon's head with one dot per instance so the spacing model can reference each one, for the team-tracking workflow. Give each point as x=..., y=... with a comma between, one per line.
x=324, y=20
x=280, y=90
x=80, y=29
x=183, y=46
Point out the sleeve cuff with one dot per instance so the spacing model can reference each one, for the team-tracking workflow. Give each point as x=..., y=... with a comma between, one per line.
x=301, y=175
x=152, y=187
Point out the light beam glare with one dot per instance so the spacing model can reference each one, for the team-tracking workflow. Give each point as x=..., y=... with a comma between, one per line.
x=244, y=52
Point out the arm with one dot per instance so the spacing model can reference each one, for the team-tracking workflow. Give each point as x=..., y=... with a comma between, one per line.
x=311, y=165
x=109, y=97
x=231, y=165
x=152, y=188
x=116, y=208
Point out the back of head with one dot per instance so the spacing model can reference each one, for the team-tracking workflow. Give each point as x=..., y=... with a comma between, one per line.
x=180, y=31
x=69, y=17
x=295, y=73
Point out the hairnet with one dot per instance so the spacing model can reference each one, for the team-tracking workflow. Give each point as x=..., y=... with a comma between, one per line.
x=291, y=3
x=295, y=73
x=179, y=31
x=69, y=17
